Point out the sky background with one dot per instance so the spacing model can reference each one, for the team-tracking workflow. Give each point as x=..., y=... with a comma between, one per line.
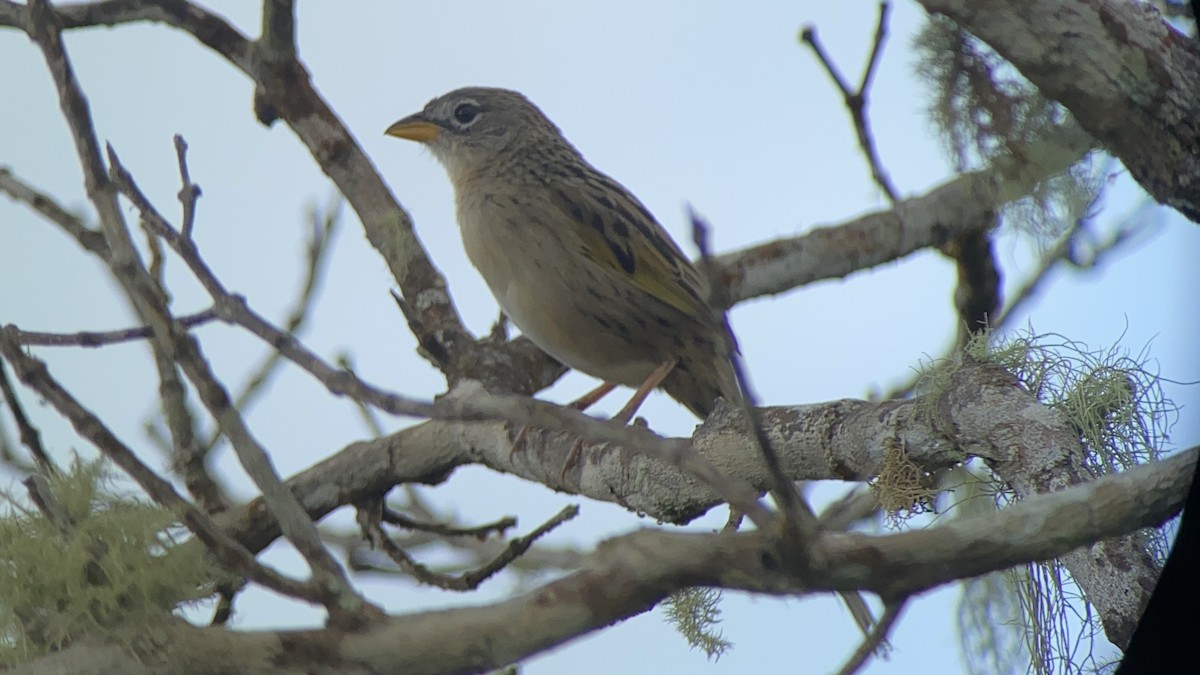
x=702, y=103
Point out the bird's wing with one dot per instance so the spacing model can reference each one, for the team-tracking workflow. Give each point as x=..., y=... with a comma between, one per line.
x=617, y=233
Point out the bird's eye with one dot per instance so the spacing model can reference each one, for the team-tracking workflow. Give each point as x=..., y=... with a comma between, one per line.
x=466, y=113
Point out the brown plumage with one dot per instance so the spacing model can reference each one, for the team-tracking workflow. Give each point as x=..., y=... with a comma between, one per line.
x=574, y=260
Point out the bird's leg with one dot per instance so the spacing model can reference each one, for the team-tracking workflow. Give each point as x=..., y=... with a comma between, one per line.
x=654, y=379
x=626, y=413
x=589, y=399
x=581, y=404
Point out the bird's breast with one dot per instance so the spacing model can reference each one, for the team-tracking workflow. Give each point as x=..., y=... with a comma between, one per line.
x=547, y=292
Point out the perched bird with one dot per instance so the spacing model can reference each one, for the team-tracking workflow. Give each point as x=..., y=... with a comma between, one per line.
x=574, y=260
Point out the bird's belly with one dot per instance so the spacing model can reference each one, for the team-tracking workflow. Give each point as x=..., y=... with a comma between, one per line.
x=543, y=295
x=551, y=316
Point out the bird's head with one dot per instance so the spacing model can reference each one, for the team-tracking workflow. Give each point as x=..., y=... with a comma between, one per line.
x=475, y=127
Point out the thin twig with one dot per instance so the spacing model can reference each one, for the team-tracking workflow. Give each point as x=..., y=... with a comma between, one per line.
x=393, y=517
x=369, y=418
x=1067, y=251
x=467, y=581
x=1064, y=252
x=876, y=48
x=800, y=523
x=856, y=100
x=43, y=498
x=30, y=436
x=190, y=192
x=47, y=207
x=856, y=505
x=322, y=229
x=104, y=338
x=289, y=88
x=345, y=604
x=189, y=456
x=233, y=555
x=144, y=293
x=876, y=641
x=798, y=515
x=8, y=453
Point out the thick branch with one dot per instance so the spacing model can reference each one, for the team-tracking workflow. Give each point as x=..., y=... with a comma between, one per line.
x=948, y=211
x=1042, y=453
x=840, y=440
x=982, y=412
x=1130, y=79
x=630, y=573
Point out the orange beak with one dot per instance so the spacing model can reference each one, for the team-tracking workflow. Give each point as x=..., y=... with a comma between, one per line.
x=414, y=128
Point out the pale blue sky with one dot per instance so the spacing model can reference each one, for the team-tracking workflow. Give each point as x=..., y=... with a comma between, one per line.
x=707, y=103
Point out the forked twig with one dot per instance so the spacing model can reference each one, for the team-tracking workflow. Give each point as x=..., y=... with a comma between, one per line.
x=856, y=99
x=372, y=528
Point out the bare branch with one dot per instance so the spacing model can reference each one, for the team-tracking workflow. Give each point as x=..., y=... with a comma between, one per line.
x=856, y=101
x=30, y=436
x=321, y=233
x=876, y=640
x=467, y=581
x=43, y=498
x=841, y=440
x=942, y=213
x=393, y=517
x=799, y=516
x=1146, y=121
x=285, y=90
x=190, y=192
x=799, y=520
x=232, y=554
x=52, y=211
x=279, y=28
x=650, y=564
x=111, y=337
x=1067, y=250
x=343, y=602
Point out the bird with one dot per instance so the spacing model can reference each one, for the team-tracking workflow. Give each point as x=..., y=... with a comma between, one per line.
x=573, y=258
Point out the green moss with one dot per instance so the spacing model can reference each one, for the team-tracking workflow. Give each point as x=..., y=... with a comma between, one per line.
x=1115, y=402
x=696, y=614
x=108, y=566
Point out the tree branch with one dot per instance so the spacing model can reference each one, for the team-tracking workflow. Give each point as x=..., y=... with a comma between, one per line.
x=232, y=554
x=1130, y=79
x=939, y=215
x=856, y=100
x=629, y=573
